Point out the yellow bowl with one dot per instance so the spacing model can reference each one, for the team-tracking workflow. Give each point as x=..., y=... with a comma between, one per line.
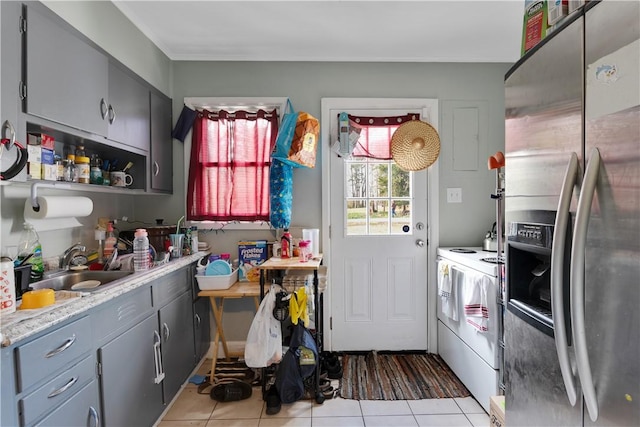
x=37, y=299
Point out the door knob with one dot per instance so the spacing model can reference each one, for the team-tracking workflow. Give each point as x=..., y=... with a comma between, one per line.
x=420, y=243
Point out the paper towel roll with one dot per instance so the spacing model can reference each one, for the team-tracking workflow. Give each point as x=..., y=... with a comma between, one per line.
x=58, y=207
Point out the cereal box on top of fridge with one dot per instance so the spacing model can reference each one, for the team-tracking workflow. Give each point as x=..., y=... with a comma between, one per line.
x=535, y=24
x=250, y=255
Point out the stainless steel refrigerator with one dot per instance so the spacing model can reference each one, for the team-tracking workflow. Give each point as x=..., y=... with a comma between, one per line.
x=572, y=202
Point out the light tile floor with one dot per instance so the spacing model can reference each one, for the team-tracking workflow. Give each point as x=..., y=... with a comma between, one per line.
x=199, y=410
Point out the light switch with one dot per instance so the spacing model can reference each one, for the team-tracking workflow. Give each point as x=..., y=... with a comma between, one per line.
x=454, y=195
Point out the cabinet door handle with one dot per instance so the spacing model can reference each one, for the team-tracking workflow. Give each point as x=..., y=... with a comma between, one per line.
x=64, y=388
x=157, y=358
x=112, y=114
x=94, y=414
x=198, y=321
x=8, y=127
x=156, y=168
x=165, y=331
x=103, y=108
x=68, y=343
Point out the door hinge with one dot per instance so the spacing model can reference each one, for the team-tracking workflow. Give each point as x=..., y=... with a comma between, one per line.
x=329, y=232
x=22, y=91
x=22, y=25
x=331, y=323
x=99, y=369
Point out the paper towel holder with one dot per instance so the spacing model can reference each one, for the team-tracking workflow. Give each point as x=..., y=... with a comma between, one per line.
x=34, y=193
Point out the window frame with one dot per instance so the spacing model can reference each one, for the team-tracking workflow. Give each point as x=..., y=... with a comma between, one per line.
x=230, y=104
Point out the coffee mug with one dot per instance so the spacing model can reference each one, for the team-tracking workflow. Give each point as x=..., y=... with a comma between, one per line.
x=121, y=179
x=277, y=250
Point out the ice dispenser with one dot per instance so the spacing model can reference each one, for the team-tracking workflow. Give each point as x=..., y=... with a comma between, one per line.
x=529, y=275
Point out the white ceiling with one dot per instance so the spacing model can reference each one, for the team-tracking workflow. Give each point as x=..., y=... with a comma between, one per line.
x=332, y=30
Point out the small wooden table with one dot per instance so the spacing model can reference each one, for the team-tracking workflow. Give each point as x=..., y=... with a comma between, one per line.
x=217, y=297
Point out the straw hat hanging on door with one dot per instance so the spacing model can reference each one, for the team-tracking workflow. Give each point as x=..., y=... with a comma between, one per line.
x=415, y=145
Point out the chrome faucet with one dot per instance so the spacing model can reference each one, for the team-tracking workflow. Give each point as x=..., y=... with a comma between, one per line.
x=69, y=254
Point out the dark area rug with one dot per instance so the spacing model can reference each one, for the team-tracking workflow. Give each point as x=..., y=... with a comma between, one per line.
x=398, y=376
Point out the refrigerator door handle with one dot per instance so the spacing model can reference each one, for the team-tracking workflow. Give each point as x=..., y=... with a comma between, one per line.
x=557, y=274
x=577, y=282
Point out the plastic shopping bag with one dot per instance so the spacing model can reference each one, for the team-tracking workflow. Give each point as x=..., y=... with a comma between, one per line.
x=280, y=193
x=264, y=341
x=297, y=139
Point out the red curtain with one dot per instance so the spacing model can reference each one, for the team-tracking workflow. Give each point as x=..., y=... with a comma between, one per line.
x=375, y=134
x=229, y=166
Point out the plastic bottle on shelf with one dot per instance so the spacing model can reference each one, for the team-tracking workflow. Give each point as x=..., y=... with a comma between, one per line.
x=141, y=250
x=30, y=245
x=285, y=242
x=110, y=242
x=73, y=168
x=95, y=173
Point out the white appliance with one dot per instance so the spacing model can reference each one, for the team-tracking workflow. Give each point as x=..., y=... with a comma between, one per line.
x=474, y=356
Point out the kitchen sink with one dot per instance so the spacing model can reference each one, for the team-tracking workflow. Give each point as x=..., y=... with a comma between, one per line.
x=84, y=280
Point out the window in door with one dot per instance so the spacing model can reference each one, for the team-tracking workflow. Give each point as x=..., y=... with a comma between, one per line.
x=378, y=197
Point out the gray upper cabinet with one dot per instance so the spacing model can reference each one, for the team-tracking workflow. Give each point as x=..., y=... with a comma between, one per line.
x=66, y=78
x=161, y=167
x=10, y=46
x=128, y=109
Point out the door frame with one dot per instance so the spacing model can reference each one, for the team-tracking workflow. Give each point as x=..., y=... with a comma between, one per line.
x=433, y=206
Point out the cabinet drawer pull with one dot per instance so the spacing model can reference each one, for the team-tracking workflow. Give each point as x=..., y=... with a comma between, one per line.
x=94, y=415
x=68, y=343
x=64, y=388
x=103, y=108
x=198, y=321
x=156, y=168
x=166, y=332
x=112, y=114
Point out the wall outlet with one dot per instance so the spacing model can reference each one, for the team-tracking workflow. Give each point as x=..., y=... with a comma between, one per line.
x=454, y=195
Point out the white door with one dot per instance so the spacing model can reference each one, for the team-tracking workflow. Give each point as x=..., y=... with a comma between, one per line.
x=378, y=257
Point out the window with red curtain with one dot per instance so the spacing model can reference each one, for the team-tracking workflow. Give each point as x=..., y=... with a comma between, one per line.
x=229, y=165
x=375, y=134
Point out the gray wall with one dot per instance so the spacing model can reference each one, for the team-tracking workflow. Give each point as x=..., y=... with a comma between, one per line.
x=455, y=85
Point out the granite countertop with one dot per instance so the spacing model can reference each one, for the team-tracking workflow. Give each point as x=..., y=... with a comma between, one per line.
x=17, y=329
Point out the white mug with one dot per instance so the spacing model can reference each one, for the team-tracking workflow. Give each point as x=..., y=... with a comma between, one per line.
x=277, y=250
x=121, y=179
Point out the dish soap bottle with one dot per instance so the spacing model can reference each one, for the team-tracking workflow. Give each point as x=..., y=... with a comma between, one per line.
x=140, y=250
x=110, y=242
x=285, y=243
x=30, y=246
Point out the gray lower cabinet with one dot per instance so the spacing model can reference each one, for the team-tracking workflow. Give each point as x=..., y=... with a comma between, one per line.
x=201, y=327
x=66, y=77
x=80, y=410
x=176, y=324
x=54, y=370
x=131, y=390
x=119, y=364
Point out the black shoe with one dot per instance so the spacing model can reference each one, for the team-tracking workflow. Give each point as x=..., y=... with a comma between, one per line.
x=230, y=390
x=273, y=401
